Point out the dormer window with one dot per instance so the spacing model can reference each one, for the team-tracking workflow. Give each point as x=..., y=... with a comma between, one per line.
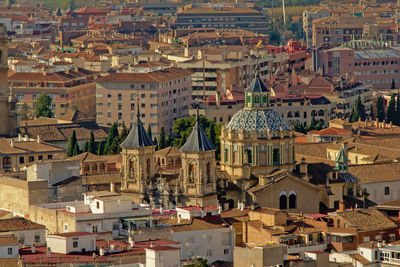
x=257, y=99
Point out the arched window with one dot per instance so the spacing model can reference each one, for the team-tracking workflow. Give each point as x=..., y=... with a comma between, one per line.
x=86, y=167
x=102, y=167
x=257, y=99
x=208, y=173
x=283, y=201
x=321, y=112
x=292, y=200
x=148, y=167
x=275, y=156
x=249, y=156
x=94, y=167
x=191, y=173
x=265, y=99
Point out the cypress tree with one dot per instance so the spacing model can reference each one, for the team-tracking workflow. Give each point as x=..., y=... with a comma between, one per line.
x=358, y=111
x=312, y=125
x=91, y=144
x=71, y=144
x=183, y=139
x=397, y=117
x=112, y=134
x=149, y=133
x=76, y=149
x=212, y=135
x=124, y=132
x=168, y=142
x=155, y=141
x=161, y=144
x=393, y=85
x=100, y=148
x=380, y=112
x=391, y=110
x=86, y=147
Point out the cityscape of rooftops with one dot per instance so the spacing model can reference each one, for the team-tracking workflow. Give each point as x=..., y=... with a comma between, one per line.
x=171, y=133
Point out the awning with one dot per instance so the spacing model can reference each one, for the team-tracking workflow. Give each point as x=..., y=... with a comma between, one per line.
x=342, y=234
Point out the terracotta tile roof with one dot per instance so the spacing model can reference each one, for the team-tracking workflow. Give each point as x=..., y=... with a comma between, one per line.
x=73, y=234
x=360, y=259
x=197, y=223
x=105, y=178
x=168, y=152
x=151, y=77
x=330, y=131
x=63, y=131
x=234, y=213
x=25, y=147
x=61, y=76
x=18, y=223
x=369, y=173
x=86, y=157
x=367, y=220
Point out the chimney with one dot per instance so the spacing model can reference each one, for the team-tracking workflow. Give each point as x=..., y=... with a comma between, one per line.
x=341, y=206
x=242, y=205
x=303, y=166
x=202, y=212
x=179, y=218
x=217, y=98
x=101, y=251
x=161, y=210
x=33, y=248
x=131, y=240
x=19, y=137
x=26, y=137
x=12, y=142
x=186, y=52
x=48, y=252
x=38, y=139
x=112, y=187
x=152, y=245
x=219, y=209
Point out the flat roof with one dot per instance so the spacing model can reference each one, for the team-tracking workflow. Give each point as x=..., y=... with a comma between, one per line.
x=376, y=53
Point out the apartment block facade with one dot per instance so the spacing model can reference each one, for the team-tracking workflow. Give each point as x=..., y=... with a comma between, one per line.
x=162, y=95
x=376, y=67
x=228, y=16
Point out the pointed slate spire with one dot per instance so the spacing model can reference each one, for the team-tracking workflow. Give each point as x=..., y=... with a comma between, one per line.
x=137, y=136
x=198, y=140
x=257, y=85
x=342, y=160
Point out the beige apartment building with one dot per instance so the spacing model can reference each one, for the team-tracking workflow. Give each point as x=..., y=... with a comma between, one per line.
x=218, y=68
x=163, y=96
x=356, y=10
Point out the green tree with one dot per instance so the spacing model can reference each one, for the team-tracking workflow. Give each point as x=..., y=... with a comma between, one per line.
x=24, y=113
x=380, y=111
x=168, y=142
x=299, y=127
x=71, y=145
x=86, y=147
x=91, y=144
x=100, y=148
x=393, y=85
x=358, y=111
x=161, y=144
x=155, y=141
x=124, y=132
x=115, y=148
x=200, y=262
x=391, y=110
x=43, y=106
x=72, y=5
x=76, y=149
x=313, y=124
x=149, y=133
x=112, y=134
x=397, y=120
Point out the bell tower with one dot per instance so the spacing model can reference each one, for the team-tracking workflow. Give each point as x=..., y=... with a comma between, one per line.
x=7, y=101
x=198, y=168
x=138, y=161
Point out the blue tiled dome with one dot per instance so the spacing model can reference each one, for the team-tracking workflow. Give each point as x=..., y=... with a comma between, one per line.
x=252, y=120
